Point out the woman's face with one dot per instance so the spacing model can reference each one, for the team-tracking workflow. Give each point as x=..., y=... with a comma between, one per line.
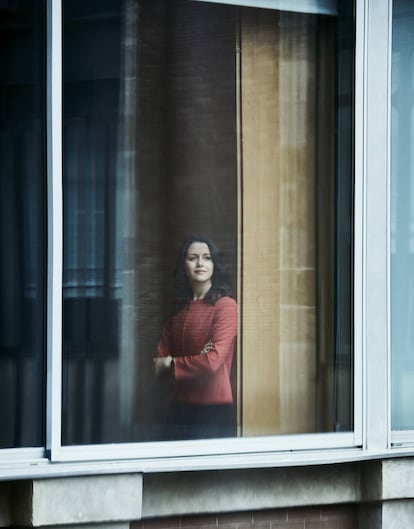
x=198, y=264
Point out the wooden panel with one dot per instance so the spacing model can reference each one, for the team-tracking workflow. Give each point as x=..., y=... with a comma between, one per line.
x=278, y=85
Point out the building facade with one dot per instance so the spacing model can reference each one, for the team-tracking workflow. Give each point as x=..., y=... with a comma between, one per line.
x=283, y=132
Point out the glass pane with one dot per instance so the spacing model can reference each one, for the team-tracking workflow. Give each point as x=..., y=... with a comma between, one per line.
x=297, y=130
x=22, y=223
x=402, y=216
x=190, y=121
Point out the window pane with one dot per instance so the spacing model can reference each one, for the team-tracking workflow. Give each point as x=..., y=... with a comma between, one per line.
x=296, y=84
x=22, y=223
x=234, y=124
x=402, y=216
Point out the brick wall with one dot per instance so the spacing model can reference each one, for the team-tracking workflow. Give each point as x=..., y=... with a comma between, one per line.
x=334, y=517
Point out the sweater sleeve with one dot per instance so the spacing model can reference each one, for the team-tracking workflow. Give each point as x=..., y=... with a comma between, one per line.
x=223, y=333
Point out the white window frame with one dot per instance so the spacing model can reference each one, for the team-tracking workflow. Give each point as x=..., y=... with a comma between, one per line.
x=55, y=225
x=376, y=154
x=264, y=448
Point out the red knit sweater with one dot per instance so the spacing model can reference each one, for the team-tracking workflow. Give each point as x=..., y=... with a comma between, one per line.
x=202, y=378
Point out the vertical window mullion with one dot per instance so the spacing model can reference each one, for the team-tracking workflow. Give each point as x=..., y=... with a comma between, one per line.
x=359, y=224
x=376, y=165
x=54, y=218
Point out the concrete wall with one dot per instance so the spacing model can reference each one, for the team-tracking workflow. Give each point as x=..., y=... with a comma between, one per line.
x=370, y=495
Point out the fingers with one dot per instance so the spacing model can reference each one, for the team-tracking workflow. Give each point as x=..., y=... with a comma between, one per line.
x=161, y=365
x=207, y=347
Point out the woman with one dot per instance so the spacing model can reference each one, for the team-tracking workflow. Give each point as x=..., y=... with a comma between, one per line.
x=197, y=345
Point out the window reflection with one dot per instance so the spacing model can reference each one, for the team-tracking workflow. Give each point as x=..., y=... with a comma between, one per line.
x=188, y=117
x=402, y=217
x=22, y=223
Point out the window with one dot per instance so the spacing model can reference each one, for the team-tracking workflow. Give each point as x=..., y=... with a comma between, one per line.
x=402, y=217
x=230, y=122
x=22, y=224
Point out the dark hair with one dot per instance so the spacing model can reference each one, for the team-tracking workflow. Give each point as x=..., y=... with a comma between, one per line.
x=219, y=281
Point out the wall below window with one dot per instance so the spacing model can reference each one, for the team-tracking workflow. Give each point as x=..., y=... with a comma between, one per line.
x=376, y=494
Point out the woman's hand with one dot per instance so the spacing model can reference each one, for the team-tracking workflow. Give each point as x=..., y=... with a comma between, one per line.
x=163, y=365
x=207, y=348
